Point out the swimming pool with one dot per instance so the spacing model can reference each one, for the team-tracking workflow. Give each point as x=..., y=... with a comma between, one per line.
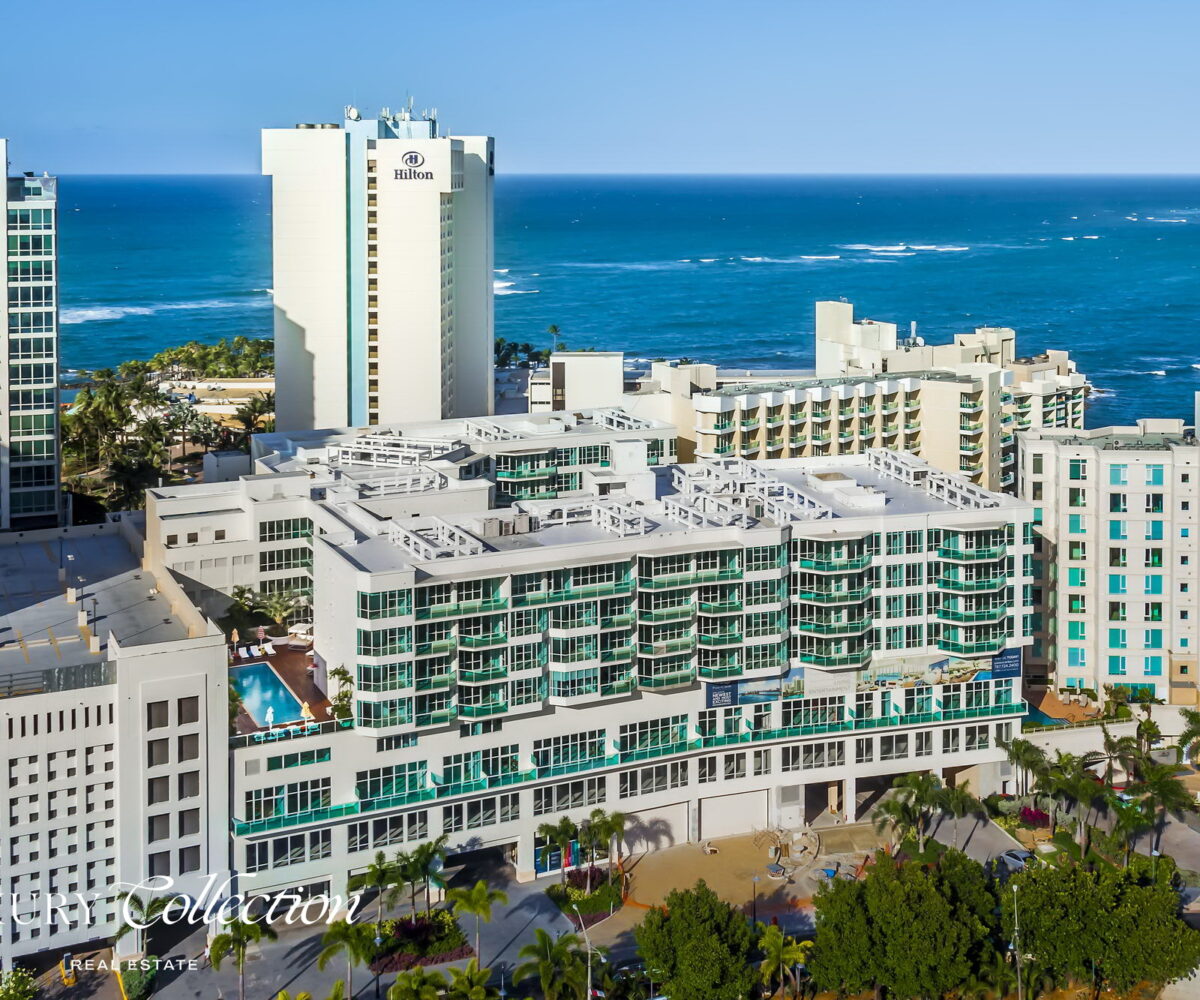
x=1036, y=717
x=261, y=690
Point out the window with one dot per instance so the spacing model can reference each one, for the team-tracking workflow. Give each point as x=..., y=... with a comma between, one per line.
x=1116, y=665
x=864, y=750
x=189, y=746
x=158, y=752
x=950, y=741
x=1153, y=638
x=893, y=747
x=1118, y=475
x=158, y=790
x=1154, y=475
x=187, y=710
x=924, y=744
x=1077, y=577
x=1077, y=497
x=1153, y=584
x=1116, y=611
x=189, y=822
x=1077, y=469
x=735, y=766
x=189, y=858
x=1152, y=667
x=156, y=714
x=1117, y=638
x=292, y=527
x=384, y=604
x=1077, y=630
x=707, y=769
x=1117, y=531
x=274, y=560
x=1117, y=503
x=1075, y=524
x=1116, y=583
x=569, y=795
x=158, y=827
x=976, y=738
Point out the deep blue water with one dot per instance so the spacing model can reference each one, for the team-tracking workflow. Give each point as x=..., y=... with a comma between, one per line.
x=720, y=268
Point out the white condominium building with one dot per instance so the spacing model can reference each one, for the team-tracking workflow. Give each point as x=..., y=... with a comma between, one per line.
x=113, y=736
x=1118, y=569
x=29, y=460
x=956, y=406
x=382, y=244
x=709, y=648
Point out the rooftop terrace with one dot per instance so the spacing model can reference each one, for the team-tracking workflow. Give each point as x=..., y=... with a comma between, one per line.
x=40, y=630
x=834, y=382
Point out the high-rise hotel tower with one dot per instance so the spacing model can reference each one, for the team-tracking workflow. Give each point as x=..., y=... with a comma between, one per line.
x=382, y=242
x=29, y=494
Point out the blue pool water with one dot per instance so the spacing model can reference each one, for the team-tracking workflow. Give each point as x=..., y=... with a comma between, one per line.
x=261, y=689
x=1035, y=716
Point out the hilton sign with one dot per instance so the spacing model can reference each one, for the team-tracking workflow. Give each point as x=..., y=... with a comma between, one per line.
x=412, y=161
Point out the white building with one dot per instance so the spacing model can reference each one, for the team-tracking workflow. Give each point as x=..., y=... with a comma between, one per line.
x=957, y=405
x=1118, y=570
x=382, y=243
x=709, y=648
x=29, y=453
x=113, y=736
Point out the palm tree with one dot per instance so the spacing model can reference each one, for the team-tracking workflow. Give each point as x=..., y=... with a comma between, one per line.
x=382, y=878
x=235, y=941
x=1189, y=739
x=144, y=913
x=409, y=874
x=428, y=859
x=477, y=901
x=994, y=982
x=591, y=836
x=285, y=995
x=561, y=835
x=1130, y=821
x=354, y=941
x=960, y=803
x=1121, y=750
x=1028, y=758
x=898, y=814
x=471, y=983
x=923, y=791
x=781, y=954
x=280, y=605
x=558, y=963
x=1164, y=794
x=417, y=984
x=128, y=477
x=1148, y=733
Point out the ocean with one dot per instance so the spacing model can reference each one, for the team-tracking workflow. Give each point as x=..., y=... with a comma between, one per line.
x=722, y=269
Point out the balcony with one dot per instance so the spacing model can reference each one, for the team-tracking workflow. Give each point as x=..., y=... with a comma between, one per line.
x=867, y=411
x=834, y=596
x=689, y=579
x=972, y=586
x=442, y=717
x=435, y=647
x=836, y=659
x=720, y=638
x=437, y=682
x=575, y=766
x=970, y=426
x=483, y=709
x=655, y=750
x=681, y=644
x=721, y=673
x=720, y=607
x=527, y=472
x=617, y=621
x=846, y=436
x=616, y=654
x=979, y=615
x=675, y=678
x=613, y=588
x=493, y=673
x=889, y=408
x=483, y=641
x=461, y=608
x=981, y=648
x=854, y=626
x=839, y=564
x=820, y=416
x=971, y=406
x=972, y=555
x=623, y=686
x=777, y=421
x=891, y=429
x=673, y=613
x=749, y=425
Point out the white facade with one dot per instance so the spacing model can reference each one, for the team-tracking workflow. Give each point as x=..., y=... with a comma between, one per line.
x=382, y=243
x=29, y=451
x=1118, y=567
x=710, y=648
x=112, y=734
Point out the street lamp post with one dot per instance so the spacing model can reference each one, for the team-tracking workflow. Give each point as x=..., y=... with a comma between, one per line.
x=378, y=944
x=754, y=903
x=503, y=991
x=1017, y=943
x=588, y=941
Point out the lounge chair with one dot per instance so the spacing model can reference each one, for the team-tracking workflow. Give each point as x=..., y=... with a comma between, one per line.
x=243, y=653
x=708, y=848
x=268, y=648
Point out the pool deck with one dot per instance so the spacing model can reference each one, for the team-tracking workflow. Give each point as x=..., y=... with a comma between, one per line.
x=292, y=667
x=1049, y=703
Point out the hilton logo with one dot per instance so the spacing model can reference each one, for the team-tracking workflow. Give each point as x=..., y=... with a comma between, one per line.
x=412, y=160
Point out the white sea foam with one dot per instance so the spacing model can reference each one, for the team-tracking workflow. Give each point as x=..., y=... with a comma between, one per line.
x=1066, y=237
x=894, y=253
x=1196, y=366
x=952, y=249
x=754, y=260
x=95, y=314
x=868, y=246
x=501, y=270
x=922, y=246
x=497, y=285
x=516, y=291
x=831, y=256
x=1091, y=237
x=707, y=260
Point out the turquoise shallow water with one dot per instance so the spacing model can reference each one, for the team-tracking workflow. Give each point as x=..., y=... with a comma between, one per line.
x=721, y=268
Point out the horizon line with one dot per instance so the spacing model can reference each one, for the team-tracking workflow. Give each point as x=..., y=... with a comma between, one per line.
x=833, y=175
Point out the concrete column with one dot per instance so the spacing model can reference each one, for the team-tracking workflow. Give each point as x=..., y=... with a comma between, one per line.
x=851, y=800
x=834, y=790
x=526, y=859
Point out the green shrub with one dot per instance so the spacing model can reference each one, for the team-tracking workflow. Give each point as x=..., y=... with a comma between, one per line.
x=138, y=977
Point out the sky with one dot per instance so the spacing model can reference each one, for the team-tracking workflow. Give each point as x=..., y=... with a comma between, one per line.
x=621, y=86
